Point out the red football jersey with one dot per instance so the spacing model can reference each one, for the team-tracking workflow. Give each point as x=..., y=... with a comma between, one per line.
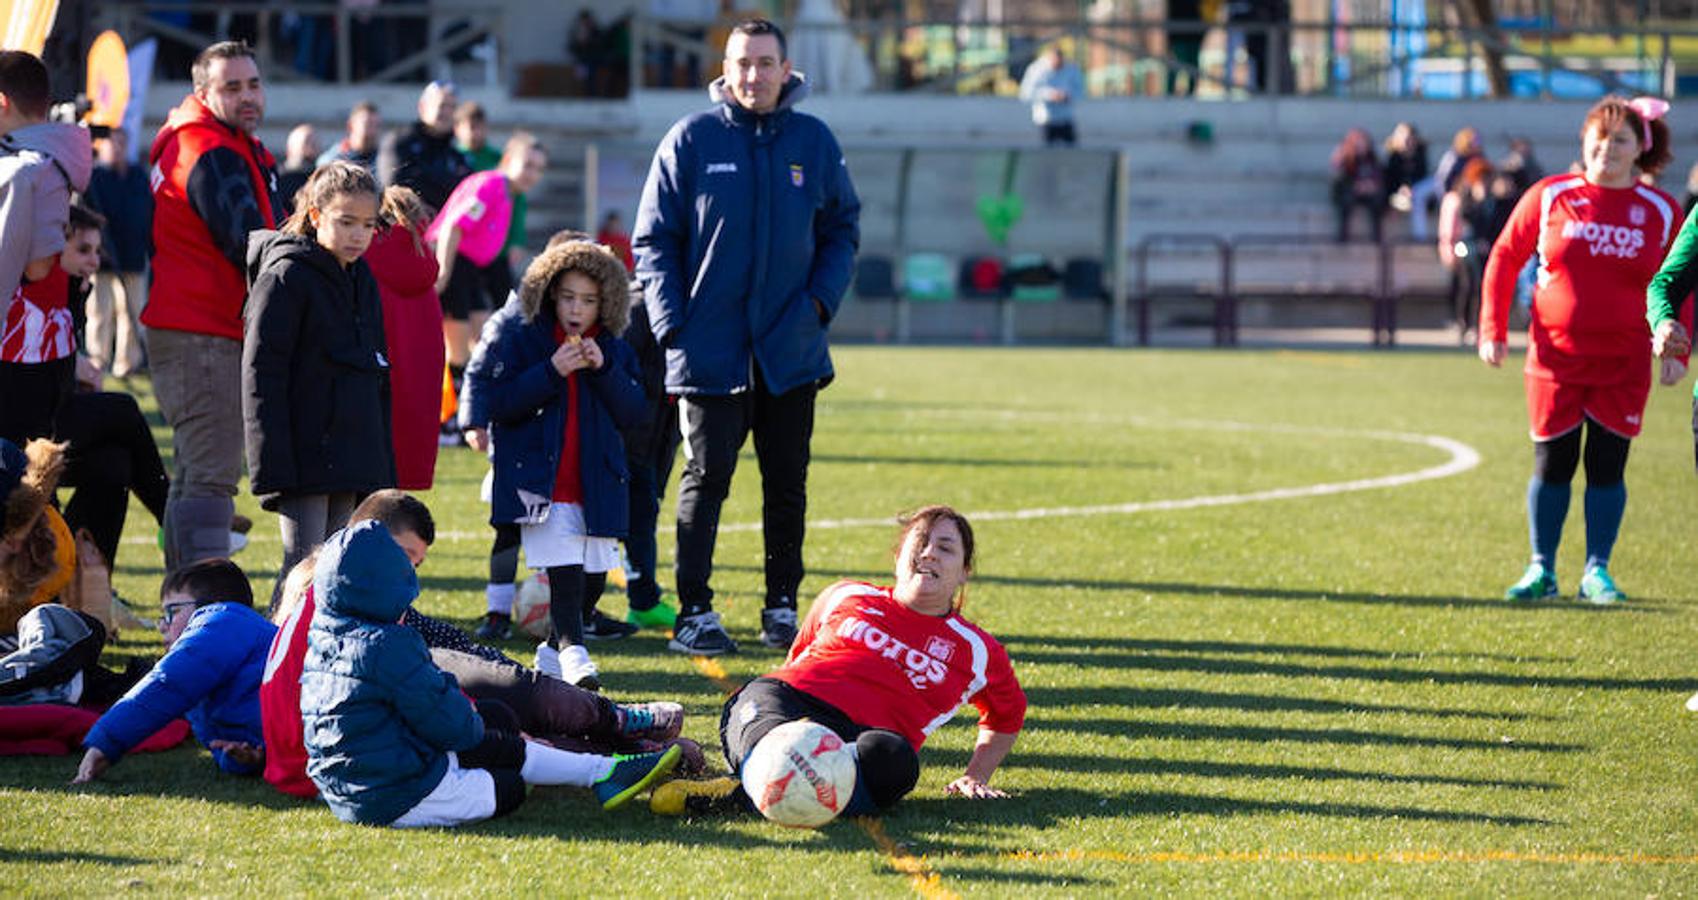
x=280, y=703
x=1597, y=248
x=886, y=666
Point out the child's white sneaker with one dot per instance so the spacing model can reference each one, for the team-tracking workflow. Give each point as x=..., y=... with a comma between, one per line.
x=577, y=668
x=548, y=660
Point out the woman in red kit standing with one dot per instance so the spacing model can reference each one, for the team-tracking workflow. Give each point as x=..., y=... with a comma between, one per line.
x=1600, y=236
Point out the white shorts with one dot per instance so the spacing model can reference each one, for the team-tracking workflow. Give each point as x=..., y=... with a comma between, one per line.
x=562, y=539
x=463, y=795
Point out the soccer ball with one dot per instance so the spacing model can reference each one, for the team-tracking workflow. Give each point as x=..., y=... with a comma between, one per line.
x=530, y=606
x=800, y=775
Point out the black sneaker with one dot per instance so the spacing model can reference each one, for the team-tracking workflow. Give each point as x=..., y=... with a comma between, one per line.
x=496, y=627
x=778, y=627
x=701, y=635
x=602, y=627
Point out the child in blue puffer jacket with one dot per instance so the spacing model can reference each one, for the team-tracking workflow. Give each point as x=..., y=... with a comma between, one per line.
x=215, y=647
x=555, y=385
x=390, y=738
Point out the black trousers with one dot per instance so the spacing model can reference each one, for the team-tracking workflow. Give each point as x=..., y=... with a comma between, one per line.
x=30, y=397
x=649, y=474
x=111, y=453
x=714, y=429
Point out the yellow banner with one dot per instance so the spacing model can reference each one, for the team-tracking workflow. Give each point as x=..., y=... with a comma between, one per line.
x=26, y=24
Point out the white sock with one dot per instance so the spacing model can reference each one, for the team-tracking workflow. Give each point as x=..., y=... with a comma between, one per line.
x=575, y=664
x=500, y=597
x=548, y=660
x=550, y=765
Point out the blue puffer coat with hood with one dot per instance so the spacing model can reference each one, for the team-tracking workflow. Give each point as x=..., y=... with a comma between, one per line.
x=379, y=716
x=745, y=240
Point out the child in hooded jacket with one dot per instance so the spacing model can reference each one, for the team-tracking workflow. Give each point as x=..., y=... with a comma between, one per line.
x=554, y=385
x=390, y=738
x=315, y=367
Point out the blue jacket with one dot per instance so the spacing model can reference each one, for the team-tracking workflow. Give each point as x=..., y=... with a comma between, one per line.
x=513, y=390
x=378, y=715
x=746, y=223
x=210, y=677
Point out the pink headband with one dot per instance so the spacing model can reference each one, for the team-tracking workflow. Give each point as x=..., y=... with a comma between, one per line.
x=1650, y=109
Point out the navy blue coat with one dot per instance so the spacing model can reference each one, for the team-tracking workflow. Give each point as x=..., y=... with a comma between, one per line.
x=746, y=223
x=210, y=677
x=513, y=390
x=378, y=715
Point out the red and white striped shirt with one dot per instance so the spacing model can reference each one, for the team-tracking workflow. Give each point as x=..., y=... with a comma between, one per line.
x=1598, y=248
x=887, y=666
x=39, y=327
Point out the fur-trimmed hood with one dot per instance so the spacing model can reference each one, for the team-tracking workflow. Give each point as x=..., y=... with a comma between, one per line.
x=591, y=259
x=28, y=478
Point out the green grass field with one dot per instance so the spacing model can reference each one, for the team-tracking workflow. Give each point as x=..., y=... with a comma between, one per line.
x=1309, y=692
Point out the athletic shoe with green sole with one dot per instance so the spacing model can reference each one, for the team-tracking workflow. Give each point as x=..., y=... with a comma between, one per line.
x=631, y=775
x=658, y=617
x=1537, y=583
x=712, y=795
x=1597, y=587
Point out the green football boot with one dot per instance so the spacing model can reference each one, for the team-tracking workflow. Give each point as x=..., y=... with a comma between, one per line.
x=1598, y=588
x=1537, y=583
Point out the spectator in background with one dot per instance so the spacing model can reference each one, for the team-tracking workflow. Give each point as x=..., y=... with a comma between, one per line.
x=1357, y=180
x=1051, y=84
x=1468, y=225
x=1186, y=28
x=300, y=158
x=1464, y=147
x=41, y=164
x=359, y=146
x=1521, y=165
x=612, y=236
x=584, y=44
x=1409, y=185
x=421, y=156
x=118, y=190
x=214, y=183
x=744, y=326
x=471, y=138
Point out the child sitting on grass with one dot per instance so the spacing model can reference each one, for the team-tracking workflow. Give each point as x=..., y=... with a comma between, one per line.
x=554, y=384
x=390, y=738
x=215, y=646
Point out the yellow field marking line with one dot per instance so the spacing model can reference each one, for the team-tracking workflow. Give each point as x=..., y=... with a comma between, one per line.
x=1394, y=857
x=927, y=884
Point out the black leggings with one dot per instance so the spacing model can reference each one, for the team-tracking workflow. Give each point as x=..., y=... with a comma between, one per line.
x=501, y=753
x=111, y=453
x=504, y=554
x=1555, y=460
x=887, y=765
x=572, y=596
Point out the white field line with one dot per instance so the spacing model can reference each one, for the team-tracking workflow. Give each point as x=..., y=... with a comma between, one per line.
x=1460, y=458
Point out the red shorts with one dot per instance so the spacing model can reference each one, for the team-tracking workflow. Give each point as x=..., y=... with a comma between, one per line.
x=1556, y=404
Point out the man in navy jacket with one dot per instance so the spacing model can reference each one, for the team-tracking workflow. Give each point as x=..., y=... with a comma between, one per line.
x=745, y=240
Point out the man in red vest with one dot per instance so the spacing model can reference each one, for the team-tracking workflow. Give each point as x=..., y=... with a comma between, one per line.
x=213, y=183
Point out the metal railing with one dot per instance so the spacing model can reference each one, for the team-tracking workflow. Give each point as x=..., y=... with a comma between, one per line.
x=324, y=42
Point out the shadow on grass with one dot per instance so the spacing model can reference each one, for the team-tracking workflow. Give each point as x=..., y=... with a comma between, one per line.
x=1166, y=698
x=52, y=857
x=1045, y=807
x=1392, y=674
x=1637, y=607
x=1259, y=648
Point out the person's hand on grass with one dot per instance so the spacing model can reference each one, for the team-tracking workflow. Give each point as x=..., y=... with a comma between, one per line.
x=93, y=765
x=974, y=789
x=241, y=753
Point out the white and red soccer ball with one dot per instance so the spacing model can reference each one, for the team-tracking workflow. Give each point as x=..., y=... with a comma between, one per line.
x=530, y=606
x=800, y=774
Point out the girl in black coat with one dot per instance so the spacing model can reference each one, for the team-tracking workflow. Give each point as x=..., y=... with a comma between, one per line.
x=315, y=370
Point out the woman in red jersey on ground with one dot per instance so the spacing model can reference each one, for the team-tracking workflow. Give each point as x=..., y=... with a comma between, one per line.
x=1600, y=235
x=883, y=667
